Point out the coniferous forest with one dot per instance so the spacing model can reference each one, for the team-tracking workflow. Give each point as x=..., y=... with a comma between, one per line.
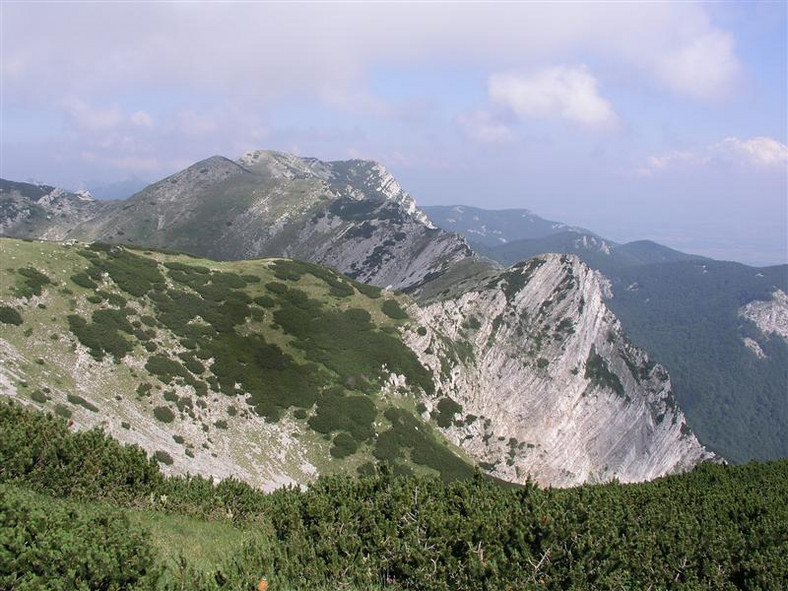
x=80, y=511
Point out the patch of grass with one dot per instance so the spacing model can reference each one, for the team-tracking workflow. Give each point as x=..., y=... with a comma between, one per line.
x=206, y=546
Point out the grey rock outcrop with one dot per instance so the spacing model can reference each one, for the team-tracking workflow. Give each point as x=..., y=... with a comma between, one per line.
x=549, y=384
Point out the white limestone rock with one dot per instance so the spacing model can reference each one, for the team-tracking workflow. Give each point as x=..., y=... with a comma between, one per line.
x=560, y=394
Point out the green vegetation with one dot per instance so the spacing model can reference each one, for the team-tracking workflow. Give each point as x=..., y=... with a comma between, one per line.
x=601, y=376
x=162, y=457
x=48, y=544
x=134, y=274
x=282, y=334
x=9, y=315
x=102, y=335
x=446, y=409
x=686, y=317
x=164, y=414
x=33, y=281
x=392, y=309
x=336, y=411
x=407, y=433
x=83, y=280
x=77, y=508
x=344, y=445
x=78, y=400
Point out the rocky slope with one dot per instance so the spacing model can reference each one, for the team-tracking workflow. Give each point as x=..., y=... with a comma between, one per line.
x=549, y=384
x=275, y=371
x=697, y=316
x=42, y=211
x=352, y=216
x=771, y=317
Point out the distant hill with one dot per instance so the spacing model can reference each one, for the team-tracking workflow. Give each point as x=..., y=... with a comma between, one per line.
x=598, y=252
x=729, y=375
x=490, y=228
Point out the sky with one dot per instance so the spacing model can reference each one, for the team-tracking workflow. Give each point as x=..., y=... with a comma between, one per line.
x=651, y=120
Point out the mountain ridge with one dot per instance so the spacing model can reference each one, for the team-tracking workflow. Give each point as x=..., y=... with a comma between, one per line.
x=349, y=215
x=188, y=334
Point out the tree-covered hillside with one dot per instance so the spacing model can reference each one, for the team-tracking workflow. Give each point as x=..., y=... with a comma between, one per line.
x=78, y=510
x=687, y=315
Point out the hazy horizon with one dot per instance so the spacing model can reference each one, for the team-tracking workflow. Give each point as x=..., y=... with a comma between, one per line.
x=659, y=121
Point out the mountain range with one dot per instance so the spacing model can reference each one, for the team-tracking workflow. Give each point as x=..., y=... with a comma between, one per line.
x=522, y=371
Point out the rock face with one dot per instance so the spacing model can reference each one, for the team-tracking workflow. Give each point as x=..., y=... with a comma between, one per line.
x=770, y=317
x=549, y=385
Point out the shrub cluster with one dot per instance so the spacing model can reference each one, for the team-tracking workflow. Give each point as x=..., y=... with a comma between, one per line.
x=50, y=545
x=717, y=527
x=9, y=315
x=33, y=281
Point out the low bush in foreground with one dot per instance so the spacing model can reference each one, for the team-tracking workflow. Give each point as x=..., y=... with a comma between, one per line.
x=721, y=527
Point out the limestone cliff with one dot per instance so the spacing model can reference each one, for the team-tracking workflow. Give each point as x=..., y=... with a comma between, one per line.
x=549, y=384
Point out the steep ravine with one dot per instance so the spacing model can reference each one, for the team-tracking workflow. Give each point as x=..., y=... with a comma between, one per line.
x=549, y=385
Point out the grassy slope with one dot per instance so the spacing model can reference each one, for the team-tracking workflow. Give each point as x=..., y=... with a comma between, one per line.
x=313, y=343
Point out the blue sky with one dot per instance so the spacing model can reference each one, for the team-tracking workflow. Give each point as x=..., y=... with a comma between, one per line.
x=637, y=120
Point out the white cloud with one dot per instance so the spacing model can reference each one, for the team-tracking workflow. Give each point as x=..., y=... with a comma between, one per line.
x=484, y=127
x=666, y=160
x=762, y=152
x=703, y=68
x=566, y=92
x=758, y=153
